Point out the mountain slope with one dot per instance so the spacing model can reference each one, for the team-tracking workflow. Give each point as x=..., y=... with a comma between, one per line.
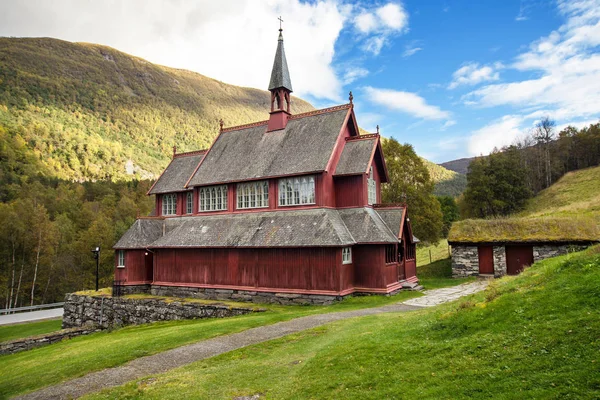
x=461, y=165
x=447, y=182
x=91, y=112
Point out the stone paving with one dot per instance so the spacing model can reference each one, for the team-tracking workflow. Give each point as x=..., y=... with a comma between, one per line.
x=184, y=355
x=439, y=296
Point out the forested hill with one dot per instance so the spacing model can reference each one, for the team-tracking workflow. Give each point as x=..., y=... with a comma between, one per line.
x=447, y=182
x=461, y=165
x=90, y=112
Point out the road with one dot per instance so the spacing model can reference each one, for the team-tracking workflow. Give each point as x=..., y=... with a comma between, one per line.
x=30, y=316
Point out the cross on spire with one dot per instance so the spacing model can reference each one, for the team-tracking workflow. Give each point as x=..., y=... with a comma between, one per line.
x=280, y=21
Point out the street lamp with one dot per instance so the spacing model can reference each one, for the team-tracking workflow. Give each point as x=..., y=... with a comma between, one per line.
x=96, y=252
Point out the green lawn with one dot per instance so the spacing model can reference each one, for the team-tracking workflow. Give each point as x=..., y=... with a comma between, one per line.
x=11, y=332
x=535, y=335
x=438, y=252
x=438, y=274
x=34, y=369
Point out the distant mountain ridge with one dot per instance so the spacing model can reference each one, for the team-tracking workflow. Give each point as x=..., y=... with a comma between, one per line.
x=461, y=165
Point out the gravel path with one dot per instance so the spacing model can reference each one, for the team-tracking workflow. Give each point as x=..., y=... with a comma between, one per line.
x=188, y=354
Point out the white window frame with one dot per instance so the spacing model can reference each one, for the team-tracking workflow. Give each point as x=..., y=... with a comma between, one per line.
x=212, y=198
x=346, y=255
x=120, y=258
x=372, y=188
x=252, y=195
x=189, y=203
x=169, y=204
x=297, y=191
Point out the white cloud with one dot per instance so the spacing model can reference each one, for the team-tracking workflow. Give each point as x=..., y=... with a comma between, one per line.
x=230, y=40
x=407, y=102
x=473, y=73
x=567, y=63
x=448, y=124
x=410, y=51
x=499, y=133
x=354, y=73
x=379, y=23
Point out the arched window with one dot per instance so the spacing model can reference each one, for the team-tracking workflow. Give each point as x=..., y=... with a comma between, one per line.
x=189, y=203
x=297, y=191
x=372, y=188
x=253, y=194
x=169, y=204
x=212, y=198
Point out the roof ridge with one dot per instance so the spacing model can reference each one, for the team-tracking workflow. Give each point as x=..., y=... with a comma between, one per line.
x=251, y=125
x=190, y=153
x=359, y=137
x=321, y=111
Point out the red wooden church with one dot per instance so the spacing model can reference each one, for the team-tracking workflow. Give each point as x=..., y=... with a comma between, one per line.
x=282, y=210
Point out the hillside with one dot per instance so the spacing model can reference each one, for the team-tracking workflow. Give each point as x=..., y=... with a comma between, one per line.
x=90, y=112
x=577, y=193
x=447, y=182
x=461, y=165
x=569, y=210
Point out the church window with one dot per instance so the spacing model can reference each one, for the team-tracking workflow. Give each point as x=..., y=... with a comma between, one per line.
x=189, y=203
x=212, y=198
x=297, y=191
x=391, y=256
x=372, y=187
x=347, y=255
x=169, y=204
x=253, y=194
x=120, y=258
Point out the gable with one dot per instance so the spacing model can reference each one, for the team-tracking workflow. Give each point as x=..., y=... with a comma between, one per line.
x=304, y=146
x=177, y=173
x=356, y=157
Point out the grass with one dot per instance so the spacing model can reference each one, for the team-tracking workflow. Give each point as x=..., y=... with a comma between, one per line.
x=18, y=331
x=530, y=336
x=438, y=252
x=438, y=274
x=576, y=193
x=30, y=370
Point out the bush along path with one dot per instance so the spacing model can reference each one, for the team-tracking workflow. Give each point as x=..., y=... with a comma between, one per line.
x=165, y=361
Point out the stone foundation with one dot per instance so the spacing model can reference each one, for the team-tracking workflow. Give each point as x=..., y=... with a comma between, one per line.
x=107, y=312
x=17, y=345
x=243, y=295
x=465, y=261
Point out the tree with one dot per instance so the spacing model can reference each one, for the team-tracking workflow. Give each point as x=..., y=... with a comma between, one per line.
x=496, y=184
x=410, y=181
x=450, y=213
x=544, y=135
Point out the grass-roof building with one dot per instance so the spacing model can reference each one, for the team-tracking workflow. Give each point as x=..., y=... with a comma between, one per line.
x=283, y=210
x=498, y=247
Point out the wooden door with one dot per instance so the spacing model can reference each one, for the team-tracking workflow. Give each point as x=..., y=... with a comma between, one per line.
x=149, y=265
x=486, y=260
x=517, y=257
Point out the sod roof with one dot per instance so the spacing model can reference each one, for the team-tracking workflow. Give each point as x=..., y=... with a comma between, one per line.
x=526, y=230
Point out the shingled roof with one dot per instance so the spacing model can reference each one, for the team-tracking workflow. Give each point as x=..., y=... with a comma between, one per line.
x=302, y=228
x=304, y=146
x=356, y=156
x=176, y=175
x=280, y=75
x=393, y=218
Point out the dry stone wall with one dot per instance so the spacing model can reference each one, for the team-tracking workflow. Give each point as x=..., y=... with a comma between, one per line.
x=465, y=261
x=17, y=345
x=107, y=312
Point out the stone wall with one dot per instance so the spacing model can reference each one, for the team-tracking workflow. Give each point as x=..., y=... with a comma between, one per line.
x=465, y=261
x=499, y=261
x=17, y=345
x=243, y=295
x=106, y=312
x=547, y=251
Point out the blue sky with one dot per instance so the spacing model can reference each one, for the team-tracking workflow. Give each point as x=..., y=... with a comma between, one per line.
x=453, y=78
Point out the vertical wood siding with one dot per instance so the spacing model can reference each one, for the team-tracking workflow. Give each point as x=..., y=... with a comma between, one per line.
x=369, y=266
x=349, y=191
x=138, y=266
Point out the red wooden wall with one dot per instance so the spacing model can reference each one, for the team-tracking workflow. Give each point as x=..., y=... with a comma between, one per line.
x=311, y=269
x=349, y=191
x=138, y=267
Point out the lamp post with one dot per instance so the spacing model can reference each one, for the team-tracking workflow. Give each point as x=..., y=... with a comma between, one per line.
x=96, y=252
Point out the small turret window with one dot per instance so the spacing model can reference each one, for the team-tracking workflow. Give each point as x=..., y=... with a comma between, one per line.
x=372, y=187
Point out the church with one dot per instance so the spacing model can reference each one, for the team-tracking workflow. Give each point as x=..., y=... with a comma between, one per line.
x=286, y=210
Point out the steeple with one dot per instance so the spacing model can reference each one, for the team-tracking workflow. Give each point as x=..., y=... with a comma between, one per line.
x=280, y=87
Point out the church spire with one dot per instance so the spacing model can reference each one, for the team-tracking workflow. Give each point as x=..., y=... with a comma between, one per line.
x=280, y=87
